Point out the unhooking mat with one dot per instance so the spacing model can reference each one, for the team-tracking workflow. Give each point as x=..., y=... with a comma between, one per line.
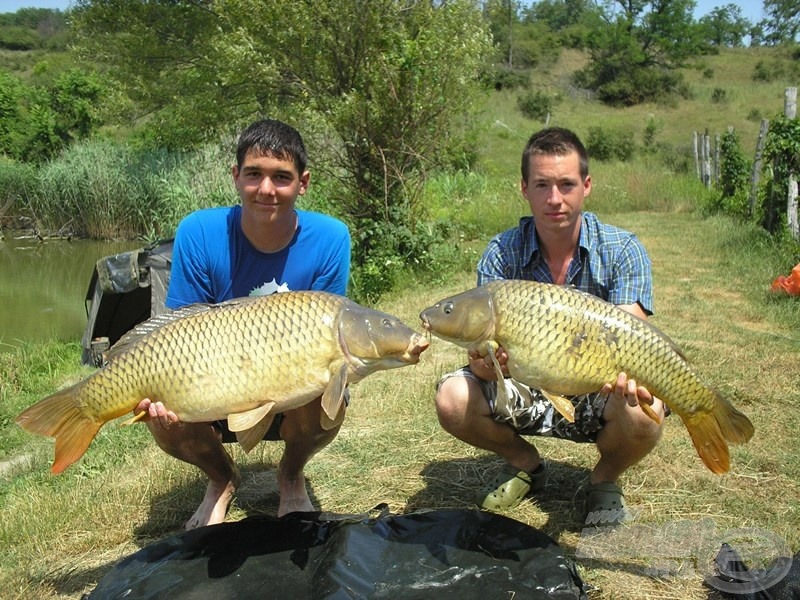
x=464, y=554
x=734, y=580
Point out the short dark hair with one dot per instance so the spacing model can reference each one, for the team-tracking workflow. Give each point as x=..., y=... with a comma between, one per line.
x=554, y=141
x=270, y=137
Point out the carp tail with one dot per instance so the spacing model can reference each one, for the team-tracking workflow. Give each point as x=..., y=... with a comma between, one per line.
x=712, y=430
x=708, y=440
x=736, y=427
x=58, y=416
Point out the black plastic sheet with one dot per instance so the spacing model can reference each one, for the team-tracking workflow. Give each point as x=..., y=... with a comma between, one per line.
x=734, y=580
x=468, y=554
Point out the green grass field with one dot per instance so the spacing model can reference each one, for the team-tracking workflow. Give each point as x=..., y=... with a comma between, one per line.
x=61, y=534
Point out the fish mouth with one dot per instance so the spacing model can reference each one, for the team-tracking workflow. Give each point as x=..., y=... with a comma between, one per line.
x=426, y=324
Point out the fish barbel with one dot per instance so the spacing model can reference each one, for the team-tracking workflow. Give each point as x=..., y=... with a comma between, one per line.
x=245, y=360
x=567, y=342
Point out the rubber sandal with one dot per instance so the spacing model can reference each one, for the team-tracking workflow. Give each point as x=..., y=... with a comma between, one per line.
x=509, y=487
x=605, y=505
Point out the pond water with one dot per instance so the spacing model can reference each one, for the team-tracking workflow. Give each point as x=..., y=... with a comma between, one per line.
x=43, y=286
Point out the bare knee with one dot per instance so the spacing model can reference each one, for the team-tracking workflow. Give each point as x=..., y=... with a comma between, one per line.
x=183, y=440
x=637, y=426
x=458, y=401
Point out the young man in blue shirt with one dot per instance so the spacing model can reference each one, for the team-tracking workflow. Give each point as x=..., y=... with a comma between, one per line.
x=261, y=246
x=561, y=244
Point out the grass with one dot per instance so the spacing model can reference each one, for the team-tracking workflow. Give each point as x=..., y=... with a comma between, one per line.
x=711, y=278
x=62, y=534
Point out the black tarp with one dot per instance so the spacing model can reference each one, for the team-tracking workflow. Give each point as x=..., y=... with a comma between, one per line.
x=468, y=554
x=735, y=580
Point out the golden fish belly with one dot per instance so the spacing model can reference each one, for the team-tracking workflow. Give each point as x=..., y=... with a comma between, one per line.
x=570, y=343
x=205, y=368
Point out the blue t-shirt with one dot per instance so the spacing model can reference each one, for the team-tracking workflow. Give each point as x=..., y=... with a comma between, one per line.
x=212, y=260
x=610, y=263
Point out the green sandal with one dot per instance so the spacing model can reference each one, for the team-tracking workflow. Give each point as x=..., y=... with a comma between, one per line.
x=509, y=487
x=605, y=505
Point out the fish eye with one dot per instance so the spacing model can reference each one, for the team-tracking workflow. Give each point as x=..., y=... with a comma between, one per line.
x=447, y=308
x=387, y=324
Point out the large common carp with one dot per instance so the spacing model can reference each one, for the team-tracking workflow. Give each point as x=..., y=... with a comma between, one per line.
x=567, y=342
x=245, y=360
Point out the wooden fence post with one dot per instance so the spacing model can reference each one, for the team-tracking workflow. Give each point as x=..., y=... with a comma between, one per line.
x=790, y=111
x=696, y=155
x=707, y=159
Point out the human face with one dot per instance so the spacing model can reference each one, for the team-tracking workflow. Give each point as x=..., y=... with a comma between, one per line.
x=268, y=188
x=555, y=192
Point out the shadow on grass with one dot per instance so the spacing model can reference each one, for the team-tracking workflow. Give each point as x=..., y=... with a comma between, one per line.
x=169, y=511
x=558, y=511
x=456, y=482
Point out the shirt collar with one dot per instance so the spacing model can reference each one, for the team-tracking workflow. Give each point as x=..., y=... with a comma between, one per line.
x=530, y=241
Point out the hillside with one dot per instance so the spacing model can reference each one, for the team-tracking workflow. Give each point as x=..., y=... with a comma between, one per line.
x=724, y=94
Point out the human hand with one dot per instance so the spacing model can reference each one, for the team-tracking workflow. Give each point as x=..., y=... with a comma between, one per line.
x=626, y=389
x=155, y=412
x=483, y=366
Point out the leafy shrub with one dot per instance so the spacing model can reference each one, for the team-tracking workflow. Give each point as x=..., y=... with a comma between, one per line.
x=18, y=38
x=503, y=78
x=633, y=85
x=651, y=129
x=768, y=71
x=608, y=144
x=734, y=176
x=535, y=105
x=719, y=96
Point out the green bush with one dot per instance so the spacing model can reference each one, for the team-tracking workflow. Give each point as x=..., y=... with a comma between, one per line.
x=535, y=105
x=719, y=96
x=18, y=38
x=501, y=77
x=767, y=71
x=610, y=144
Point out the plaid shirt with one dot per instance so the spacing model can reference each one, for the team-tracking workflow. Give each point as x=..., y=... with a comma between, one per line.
x=610, y=263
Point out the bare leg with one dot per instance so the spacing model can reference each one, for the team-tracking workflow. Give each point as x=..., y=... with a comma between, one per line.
x=464, y=413
x=304, y=437
x=199, y=444
x=626, y=438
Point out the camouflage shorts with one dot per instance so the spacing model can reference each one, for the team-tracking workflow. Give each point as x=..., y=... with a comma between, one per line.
x=535, y=415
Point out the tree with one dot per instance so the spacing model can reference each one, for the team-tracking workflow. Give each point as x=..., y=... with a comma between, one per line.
x=74, y=99
x=572, y=20
x=725, y=26
x=782, y=25
x=382, y=89
x=11, y=99
x=634, y=58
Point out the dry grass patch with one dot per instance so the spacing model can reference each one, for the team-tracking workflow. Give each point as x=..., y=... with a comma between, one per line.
x=61, y=535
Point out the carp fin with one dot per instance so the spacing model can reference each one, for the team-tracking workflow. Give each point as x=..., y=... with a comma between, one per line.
x=648, y=410
x=562, y=404
x=246, y=420
x=138, y=417
x=158, y=321
x=58, y=416
x=502, y=392
x=333, y=399
x=250, y=437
